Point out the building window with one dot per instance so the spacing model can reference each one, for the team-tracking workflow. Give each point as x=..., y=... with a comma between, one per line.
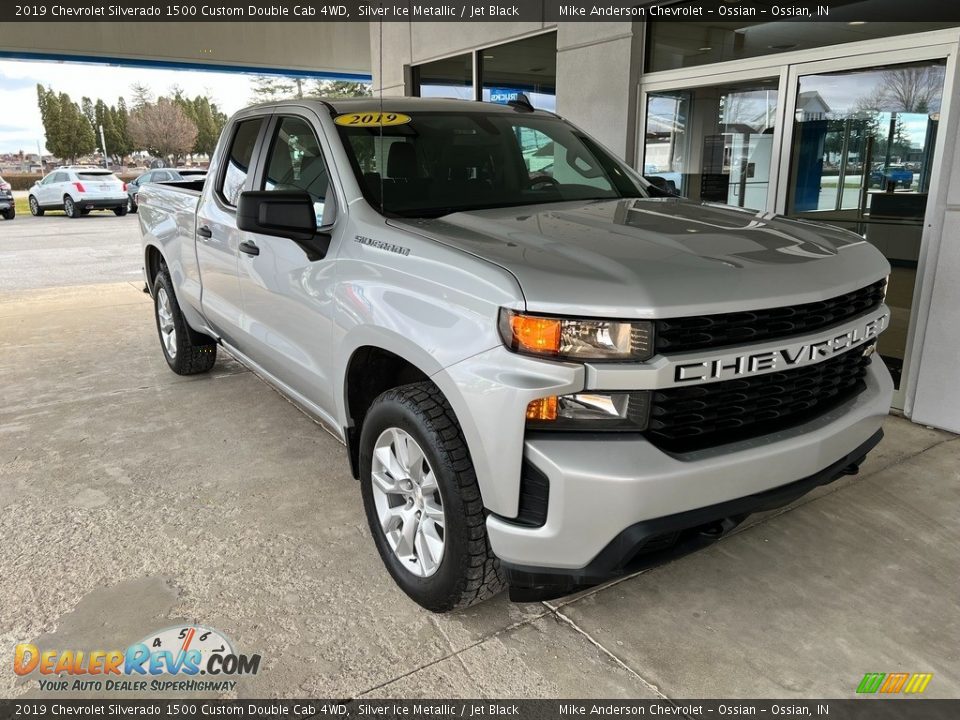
x=526, y=66
x=674, y=45
x=713, y=143
x=451, y=78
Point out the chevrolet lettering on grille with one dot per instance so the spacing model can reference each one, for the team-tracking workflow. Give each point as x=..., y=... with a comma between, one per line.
x=745, y=364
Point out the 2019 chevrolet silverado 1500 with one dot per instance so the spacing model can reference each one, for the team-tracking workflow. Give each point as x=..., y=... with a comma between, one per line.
x=545, y=375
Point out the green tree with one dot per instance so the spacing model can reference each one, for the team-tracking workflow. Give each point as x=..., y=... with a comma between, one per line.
x=120, y=120
x=86, y=105
x=142, y=95
x=340, y=89
x=268, y=88
x=68, y=132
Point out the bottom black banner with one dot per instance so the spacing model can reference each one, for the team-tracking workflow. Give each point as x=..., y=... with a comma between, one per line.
x=860, y=709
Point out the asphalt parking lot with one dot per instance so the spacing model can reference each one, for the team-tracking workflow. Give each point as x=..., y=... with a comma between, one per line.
x=134, y=499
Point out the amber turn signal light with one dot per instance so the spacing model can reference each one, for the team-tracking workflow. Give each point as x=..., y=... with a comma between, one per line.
x=543, y=409
x=536, y=334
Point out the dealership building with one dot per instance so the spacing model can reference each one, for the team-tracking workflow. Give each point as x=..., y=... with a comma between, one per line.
x=847, y=121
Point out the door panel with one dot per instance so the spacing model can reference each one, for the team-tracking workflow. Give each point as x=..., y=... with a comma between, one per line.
x=218, y=237
x=287, y=303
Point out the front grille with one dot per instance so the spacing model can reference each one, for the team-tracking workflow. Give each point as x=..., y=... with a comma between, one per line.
x=684, y=419
x=713, y=331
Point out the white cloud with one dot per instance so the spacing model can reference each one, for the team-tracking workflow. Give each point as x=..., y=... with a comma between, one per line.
x=20, y=125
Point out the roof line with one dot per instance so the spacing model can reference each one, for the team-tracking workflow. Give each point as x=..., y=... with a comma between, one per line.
x=183, y=65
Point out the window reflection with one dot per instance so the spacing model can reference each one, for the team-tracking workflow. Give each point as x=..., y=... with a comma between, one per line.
x=713, y=143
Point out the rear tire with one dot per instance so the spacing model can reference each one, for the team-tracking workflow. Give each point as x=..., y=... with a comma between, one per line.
x=186, y=351
x=120, y=211
x=457, y=568
x=131, y=205
x=70, y=207
x=35, y=208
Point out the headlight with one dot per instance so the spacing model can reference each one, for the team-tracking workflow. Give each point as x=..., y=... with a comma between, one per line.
x=591, y=411
x=572, y=339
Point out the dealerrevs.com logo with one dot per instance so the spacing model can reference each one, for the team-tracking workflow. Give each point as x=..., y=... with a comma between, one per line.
x=185, y=652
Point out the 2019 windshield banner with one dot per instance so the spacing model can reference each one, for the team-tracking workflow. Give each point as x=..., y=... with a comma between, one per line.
x=429, y=709
x=546, y=11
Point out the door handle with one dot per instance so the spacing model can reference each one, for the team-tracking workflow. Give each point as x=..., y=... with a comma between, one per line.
x=204, y=232
x=249, y=248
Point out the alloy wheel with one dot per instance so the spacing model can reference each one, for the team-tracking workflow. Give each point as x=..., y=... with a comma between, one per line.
x=168, y=331
x=408, y=502
x=34, y=206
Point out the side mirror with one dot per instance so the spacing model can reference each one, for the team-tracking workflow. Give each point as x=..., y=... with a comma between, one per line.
x=286, y=214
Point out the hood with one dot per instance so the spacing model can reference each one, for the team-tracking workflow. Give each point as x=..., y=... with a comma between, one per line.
x=659, y=257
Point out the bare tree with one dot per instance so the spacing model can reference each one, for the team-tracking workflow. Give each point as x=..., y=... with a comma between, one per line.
x=909, y=90
x=163, y=129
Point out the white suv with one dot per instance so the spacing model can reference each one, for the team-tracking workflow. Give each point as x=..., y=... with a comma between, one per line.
x=77, y=191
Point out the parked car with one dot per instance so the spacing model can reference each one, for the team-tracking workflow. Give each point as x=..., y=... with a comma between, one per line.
x=897, y=174
x=8, y=210
x=540, y=383
x=160, y=176
x=77, y=191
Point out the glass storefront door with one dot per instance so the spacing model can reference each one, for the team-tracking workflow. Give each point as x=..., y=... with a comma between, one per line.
x=861, y=157
x=713, y=143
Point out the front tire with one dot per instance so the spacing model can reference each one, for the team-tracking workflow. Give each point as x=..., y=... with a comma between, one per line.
x=422, y=500
x=70, y=207
x=9, y=214
x=131, y=205
x=186, y=351
x=35, y=208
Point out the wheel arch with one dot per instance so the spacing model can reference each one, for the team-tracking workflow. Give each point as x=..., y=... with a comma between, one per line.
x=371, y=370
x=152, y=261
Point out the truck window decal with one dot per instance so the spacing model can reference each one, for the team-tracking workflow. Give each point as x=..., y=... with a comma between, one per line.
x=372, y=119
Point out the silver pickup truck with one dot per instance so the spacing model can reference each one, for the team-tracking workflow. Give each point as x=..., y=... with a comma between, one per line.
x=547, y=370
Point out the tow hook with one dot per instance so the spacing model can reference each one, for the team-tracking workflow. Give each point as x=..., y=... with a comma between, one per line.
x=852, y=469
x=719, y=528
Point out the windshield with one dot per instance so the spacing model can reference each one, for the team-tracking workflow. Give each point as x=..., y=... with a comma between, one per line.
x=440, y=163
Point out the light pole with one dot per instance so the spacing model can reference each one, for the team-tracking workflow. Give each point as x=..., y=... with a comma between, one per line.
x=103, y=146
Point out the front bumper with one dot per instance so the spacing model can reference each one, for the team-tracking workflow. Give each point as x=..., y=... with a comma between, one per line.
x=6, y=203
x=610, y=497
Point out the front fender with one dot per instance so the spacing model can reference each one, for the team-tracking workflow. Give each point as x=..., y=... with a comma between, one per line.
x=489, y=394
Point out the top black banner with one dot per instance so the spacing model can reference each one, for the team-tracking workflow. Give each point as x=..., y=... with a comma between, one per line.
x=545, y=11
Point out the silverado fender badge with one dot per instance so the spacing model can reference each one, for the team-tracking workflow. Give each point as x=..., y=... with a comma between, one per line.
x=381, y=245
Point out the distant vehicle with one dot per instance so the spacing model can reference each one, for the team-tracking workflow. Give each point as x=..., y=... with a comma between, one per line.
x=77, y=191
x=7, y=209
x=897, y=174
x=160, y=176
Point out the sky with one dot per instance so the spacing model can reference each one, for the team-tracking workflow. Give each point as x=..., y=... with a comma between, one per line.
x=20, y=125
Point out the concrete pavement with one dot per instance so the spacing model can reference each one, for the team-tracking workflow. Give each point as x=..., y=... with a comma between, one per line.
x=57, y=251
x=132, y=500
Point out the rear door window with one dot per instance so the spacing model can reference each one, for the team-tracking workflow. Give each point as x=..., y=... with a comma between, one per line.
x=239, y=159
